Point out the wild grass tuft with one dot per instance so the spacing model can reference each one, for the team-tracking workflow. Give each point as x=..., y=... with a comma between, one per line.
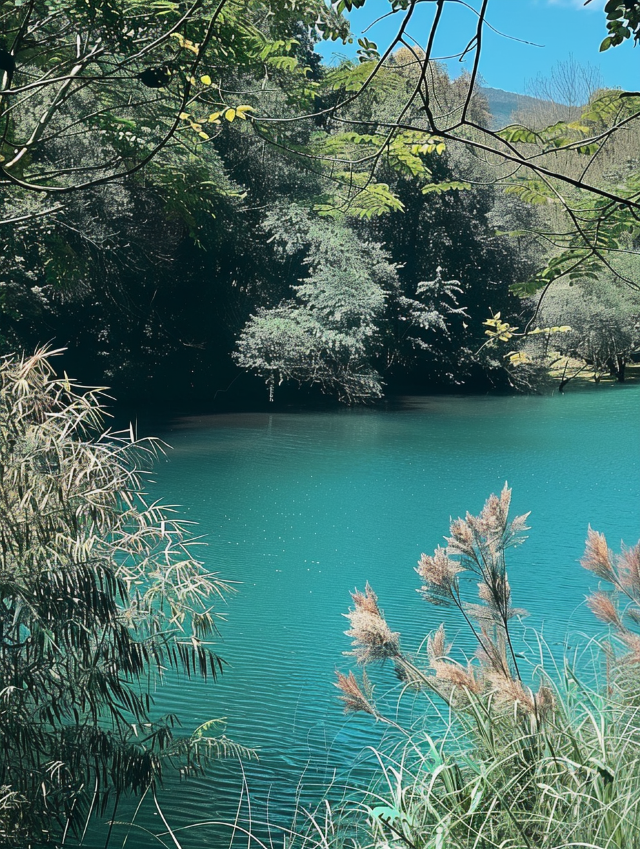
x=540, y=756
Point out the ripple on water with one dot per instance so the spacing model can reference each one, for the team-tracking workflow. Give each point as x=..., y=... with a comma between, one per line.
x=302, y=508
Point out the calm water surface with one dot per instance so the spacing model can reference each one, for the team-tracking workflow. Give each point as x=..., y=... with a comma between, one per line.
x=301, y=508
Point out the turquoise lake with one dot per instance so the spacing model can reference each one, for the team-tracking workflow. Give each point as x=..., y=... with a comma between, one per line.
x=301, y=508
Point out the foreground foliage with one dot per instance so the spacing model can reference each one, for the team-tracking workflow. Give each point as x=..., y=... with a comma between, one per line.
x=532, y=756
x=99, y=593
x=91, y=93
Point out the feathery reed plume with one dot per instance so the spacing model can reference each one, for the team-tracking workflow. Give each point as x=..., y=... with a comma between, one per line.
x=367, y=601
x=515, y=530
x=456, y=678
x=492, y=520
x=450, y=678
x=632, y=642
x=492, y=652
x=477, y=544
x=602, y=606
x=496, y=609
x=597, y=557
x=372, y=638
x=629, y=569
x=489, y=533
x=461, y=540
x=355, y=698
x=623, y=571
x=520, y=764
x=460, y=678
x=509, y=690
x=480, y=543
x=440, y=574
x=545, y=700
x=437, y=646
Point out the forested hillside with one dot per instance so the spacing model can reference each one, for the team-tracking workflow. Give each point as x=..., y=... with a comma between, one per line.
x=246, y=248
x=151, y=282
x=504, y=106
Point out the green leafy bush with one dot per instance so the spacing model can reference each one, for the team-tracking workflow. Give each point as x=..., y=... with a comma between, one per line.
x=99, y=593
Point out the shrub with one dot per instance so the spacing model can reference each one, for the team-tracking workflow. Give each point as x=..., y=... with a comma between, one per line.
x=99, y=592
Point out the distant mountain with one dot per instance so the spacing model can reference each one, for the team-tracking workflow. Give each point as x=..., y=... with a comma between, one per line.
x=503, y=104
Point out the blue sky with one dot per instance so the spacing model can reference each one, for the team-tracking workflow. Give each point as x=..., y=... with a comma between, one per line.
x=560, y=27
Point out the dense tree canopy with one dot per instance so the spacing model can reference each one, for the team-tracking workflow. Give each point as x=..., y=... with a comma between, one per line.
x=92, y=93
x=168, y=152
x=150, y=282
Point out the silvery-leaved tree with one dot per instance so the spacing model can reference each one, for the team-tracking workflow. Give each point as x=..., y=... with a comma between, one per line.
x=100, y=592
x=429, y=313
x=328, y=333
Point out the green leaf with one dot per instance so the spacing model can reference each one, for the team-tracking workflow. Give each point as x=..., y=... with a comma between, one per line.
x=518, y=133
x=283, y=63
x=588, y=149
x=390, y=814
x=403, y=159
x=531, y=191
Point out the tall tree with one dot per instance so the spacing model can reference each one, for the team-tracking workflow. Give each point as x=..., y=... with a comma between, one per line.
x=93, y=93
x=328, y=333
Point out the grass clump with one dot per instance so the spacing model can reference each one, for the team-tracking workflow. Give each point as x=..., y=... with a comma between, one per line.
x=530, y=756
